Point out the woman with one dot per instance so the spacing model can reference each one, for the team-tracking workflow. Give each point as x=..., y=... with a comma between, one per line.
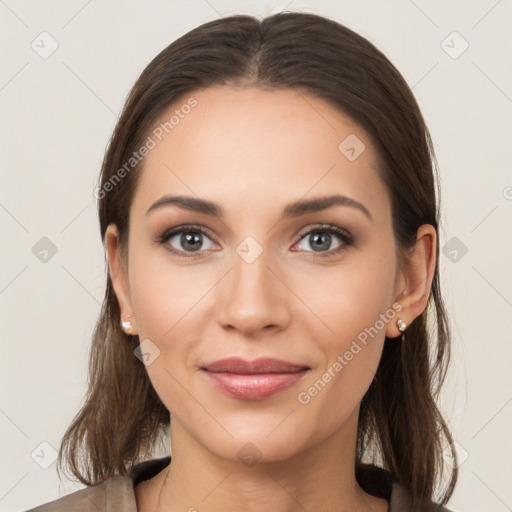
x=268, y=208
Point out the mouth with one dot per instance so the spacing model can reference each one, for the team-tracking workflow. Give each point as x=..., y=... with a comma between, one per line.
x=253, y=380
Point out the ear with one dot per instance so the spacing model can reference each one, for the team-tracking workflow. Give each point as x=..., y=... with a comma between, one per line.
x=416, y=278
x=119, y=276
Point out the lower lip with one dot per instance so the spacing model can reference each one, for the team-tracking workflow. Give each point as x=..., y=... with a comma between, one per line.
x=253, y=386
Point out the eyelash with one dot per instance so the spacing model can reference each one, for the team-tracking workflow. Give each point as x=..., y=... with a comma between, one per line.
x=344, y=236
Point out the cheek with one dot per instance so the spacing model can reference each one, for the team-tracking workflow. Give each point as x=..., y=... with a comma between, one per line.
x=164, y=294
x=353, y=302
x=167, y=302
x=349, y=298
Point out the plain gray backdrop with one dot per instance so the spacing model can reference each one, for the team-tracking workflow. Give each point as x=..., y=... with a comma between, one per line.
x=66, y=70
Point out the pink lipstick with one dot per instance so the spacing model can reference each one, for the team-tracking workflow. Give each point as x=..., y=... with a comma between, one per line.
x=253, y=380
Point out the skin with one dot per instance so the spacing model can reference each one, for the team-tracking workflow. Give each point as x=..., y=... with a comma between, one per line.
x=253, y=151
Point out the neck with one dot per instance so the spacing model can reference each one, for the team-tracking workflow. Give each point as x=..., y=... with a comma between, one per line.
x=319, y=478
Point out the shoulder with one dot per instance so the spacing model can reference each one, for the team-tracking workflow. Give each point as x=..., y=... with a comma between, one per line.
x=114, y=494
x=379, y=482
x=400, y=501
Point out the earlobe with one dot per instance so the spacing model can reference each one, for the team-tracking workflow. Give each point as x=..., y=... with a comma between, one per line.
x=398, y=327
x=119, y=277
x=402, y=326
x=126, y=324
x=418, y=272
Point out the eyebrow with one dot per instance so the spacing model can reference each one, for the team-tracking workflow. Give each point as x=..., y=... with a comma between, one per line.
x=295, y=209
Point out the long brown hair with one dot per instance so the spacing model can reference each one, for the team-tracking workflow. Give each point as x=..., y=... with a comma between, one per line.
x=400, y=425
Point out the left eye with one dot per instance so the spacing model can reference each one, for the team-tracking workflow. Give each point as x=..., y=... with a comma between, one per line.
x=321, y=238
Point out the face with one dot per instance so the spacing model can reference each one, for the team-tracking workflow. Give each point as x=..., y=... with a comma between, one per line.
x=312, y=287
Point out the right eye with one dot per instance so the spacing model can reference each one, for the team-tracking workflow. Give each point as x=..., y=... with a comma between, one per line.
x=190, y=238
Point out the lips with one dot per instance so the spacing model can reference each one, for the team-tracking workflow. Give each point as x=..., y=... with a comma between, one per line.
x=263, y=365
x=253, y=380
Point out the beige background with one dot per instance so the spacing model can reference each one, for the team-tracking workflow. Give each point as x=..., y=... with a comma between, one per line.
x=57, y=115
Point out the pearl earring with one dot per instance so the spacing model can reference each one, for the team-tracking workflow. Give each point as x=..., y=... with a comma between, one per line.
x=126, y=324
x=401, y=325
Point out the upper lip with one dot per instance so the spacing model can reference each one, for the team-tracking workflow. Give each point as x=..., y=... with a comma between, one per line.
x=257, y=366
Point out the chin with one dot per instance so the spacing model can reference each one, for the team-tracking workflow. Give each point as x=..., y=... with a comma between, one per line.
x=258, y=438
x=250, y=450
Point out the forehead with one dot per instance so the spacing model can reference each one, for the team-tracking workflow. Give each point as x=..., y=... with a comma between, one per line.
x=249, y=148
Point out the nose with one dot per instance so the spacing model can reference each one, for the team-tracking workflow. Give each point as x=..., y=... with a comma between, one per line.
x=252, y=298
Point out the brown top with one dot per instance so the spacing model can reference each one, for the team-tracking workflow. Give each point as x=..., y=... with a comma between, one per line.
x=117, y=494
